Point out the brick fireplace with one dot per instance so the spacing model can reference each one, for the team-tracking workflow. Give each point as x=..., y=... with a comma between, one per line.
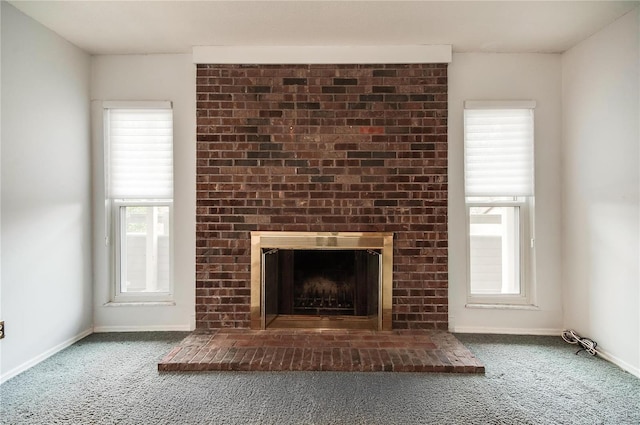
x=322, y=148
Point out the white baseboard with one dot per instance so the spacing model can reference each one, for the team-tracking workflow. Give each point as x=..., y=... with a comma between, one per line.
x=619, y=362
x=50, y=352
x=506, y=331
x=544, y=332
x=153, y=328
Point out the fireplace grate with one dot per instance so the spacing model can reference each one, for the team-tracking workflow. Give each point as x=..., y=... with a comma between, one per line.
x=321, y=305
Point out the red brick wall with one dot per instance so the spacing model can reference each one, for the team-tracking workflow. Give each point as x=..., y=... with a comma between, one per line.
x=322, y=148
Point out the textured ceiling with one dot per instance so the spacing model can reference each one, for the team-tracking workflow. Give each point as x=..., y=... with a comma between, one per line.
x=123, y=27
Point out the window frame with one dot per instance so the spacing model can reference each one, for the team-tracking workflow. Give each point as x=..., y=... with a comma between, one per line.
x=119, y=232
x=113, y=220
x=525, y=253
x=526, y=297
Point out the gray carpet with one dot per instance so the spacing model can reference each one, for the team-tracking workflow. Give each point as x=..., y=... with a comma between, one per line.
x=112, y=379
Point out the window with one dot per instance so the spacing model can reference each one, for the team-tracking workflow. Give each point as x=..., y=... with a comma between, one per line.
x=499, y=194
x=139, y=168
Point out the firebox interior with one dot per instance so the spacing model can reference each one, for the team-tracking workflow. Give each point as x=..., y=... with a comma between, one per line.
x=322, y=282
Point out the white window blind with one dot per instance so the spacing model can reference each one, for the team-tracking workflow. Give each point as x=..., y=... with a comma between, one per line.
x=140, y=153
x=498, y=152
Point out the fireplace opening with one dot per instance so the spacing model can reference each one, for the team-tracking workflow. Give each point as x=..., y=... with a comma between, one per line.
x=321, y=280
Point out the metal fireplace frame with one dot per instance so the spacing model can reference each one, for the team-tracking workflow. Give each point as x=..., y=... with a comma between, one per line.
x=382, y=241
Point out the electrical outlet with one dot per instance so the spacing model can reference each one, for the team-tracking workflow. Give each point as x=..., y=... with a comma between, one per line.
x=2, y=329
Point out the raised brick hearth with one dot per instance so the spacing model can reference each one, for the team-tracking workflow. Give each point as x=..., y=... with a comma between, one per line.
x=307, y=350
x=322, y=148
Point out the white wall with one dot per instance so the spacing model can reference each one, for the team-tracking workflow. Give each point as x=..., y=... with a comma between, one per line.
x=478, y=76
x=149, y=77
x=601, y=212
x=46, y=209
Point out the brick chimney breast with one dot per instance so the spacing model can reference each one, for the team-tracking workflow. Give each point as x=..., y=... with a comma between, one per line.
x=322, y=148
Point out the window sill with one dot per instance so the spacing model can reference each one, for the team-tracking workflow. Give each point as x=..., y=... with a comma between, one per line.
x=139, y=304
x=495, y=306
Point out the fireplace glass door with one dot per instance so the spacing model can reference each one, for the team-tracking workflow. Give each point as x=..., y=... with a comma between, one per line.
x=321, y=283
